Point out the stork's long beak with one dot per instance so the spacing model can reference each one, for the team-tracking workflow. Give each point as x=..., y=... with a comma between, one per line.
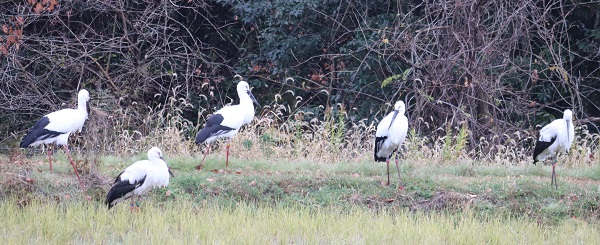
x=87, y=107
x=568, y=126
x=393, y=118
x=253, y=99
x=171, y=173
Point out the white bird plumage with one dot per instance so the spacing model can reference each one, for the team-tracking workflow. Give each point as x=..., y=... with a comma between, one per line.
x=227, y=121
x=554, y=139
x=55, y=128
x=391, y=133
x=139, y=178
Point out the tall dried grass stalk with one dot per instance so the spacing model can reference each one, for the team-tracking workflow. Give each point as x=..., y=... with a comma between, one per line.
x=323, y=135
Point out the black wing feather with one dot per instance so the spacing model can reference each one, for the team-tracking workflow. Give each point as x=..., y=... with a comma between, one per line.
x=540, y=146
x=38, y=132
x=121, y=188
x=213, y=128
x=378, y=143
x=119, y=178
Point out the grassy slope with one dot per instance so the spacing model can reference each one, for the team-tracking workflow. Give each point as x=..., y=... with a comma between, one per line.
x=272, y=201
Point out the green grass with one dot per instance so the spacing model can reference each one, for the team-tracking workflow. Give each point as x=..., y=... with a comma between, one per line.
x=272, y=201
x=188, y=222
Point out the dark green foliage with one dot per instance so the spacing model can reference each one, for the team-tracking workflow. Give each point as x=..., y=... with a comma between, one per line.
x=490, y=66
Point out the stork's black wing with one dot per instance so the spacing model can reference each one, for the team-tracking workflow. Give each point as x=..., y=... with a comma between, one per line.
x=38, y=132
x=540, y=146
x=213, y=128
x=120, y=189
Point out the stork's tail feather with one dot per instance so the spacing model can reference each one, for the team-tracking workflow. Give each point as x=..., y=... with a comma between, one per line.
x=540, y=146
x=27, y=140
x=202, y=136
x=120, y=190
x=379, y=159
x=378, y=142
x=37, y=135
x=38, y=132
x=212, y=128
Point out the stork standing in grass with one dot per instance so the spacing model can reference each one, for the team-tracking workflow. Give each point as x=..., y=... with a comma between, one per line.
x=555, y=138
x=226, y=122
x=55, y=128
x=390, y=134
x=139, y=178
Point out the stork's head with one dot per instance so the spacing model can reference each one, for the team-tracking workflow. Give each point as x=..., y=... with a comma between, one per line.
x=243, y=87
x=82, y=98
x=568, y=115
x=84, y=95
x=155, y=153
x=399, y=106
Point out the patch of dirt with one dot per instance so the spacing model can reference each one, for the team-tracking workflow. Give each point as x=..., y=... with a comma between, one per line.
x=16, y=181
x=578, y=181
x=440, y=201
x=377, y=203
x=446, y=201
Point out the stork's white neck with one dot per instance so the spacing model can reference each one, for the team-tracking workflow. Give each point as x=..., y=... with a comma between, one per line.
x=82, y=106
x=245, y=99
x=568, y=129
x=156, y=160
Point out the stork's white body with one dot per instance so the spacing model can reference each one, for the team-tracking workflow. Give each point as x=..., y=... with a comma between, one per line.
x=234, y=117
x=563, y=131
x=139, y=178
x=155, y=171
x=66, y=121
x=394, y=131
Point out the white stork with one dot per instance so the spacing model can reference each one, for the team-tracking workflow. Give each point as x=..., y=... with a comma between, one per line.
x=390, y=134
x=56, y=127
x=555, y=138
x=226, y=122
x=139, y=178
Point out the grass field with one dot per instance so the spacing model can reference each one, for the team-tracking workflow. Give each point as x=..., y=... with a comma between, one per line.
x=183, y=221
x=269, y=201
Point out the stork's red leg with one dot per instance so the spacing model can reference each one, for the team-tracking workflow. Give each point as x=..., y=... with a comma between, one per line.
x=387, y=162
x=73, y=164
x=227, y=157
x=400, y=186
x=131, y=207
x=554, y=174
x=201, y=163
x=137, y=204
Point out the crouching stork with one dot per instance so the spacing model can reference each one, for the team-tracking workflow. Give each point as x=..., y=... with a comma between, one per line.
x=138, y=179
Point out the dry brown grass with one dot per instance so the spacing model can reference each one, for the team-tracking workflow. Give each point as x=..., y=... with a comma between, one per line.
x=283, y=130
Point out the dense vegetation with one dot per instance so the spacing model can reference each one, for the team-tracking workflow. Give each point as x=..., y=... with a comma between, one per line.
x=489, y=68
